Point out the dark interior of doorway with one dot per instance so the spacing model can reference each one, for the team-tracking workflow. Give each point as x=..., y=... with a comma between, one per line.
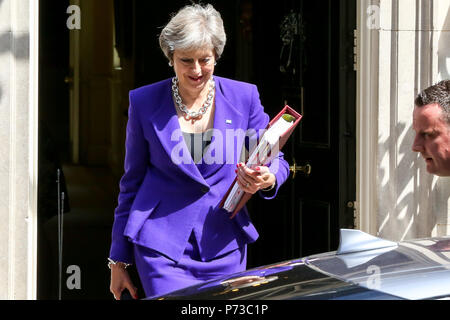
x=252, y=54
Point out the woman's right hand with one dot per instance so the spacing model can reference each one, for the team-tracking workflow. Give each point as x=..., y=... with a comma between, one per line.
x=120, y=280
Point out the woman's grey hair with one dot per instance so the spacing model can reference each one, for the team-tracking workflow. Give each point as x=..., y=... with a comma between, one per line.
x=194, y=27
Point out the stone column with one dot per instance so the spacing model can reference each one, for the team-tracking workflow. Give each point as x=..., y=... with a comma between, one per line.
x=18, y=148
x=410, y=51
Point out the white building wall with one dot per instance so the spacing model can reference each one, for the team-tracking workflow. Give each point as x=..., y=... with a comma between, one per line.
x=441, y=66
x=410, y=51
x=18, y=156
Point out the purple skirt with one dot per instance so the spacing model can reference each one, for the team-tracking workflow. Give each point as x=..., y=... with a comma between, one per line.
x=160, y=275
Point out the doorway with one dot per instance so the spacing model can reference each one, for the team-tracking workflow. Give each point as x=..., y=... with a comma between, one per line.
x=297, y=52
x=303, y=57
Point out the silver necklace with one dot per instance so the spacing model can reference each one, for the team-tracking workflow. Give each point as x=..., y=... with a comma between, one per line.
x=179, y=102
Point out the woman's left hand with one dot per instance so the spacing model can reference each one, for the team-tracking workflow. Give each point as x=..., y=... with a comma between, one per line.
x=253, y=180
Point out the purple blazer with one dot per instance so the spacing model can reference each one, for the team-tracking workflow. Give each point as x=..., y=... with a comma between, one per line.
x=161, y=200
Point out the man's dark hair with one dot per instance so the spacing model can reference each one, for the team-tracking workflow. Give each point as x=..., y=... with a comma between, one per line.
x=438, y=93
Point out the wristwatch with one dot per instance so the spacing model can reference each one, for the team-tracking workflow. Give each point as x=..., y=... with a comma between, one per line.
x=111, y=262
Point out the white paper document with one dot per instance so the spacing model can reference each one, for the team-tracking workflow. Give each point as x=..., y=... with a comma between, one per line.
x=261, y=155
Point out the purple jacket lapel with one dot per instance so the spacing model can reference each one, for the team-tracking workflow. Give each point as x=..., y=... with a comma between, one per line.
x=168, y=130
x=227, y=116
x=165, y=122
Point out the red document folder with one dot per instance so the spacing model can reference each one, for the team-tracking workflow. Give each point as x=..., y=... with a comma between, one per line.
x=282, y=141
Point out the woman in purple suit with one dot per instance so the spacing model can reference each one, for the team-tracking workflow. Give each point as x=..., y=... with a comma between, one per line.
x=185, y=137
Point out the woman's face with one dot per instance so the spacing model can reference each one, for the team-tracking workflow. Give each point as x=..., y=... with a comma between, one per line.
x=193, y=68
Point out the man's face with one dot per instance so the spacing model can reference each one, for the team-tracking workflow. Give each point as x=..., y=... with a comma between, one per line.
x=432, y=138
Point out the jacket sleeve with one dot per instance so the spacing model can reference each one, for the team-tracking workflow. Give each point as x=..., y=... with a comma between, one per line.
x=258, y=119
x=135, y=167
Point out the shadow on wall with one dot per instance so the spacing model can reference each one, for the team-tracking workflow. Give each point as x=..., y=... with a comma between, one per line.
x=444, y=50
x=17, y=45
x=442, y=186
x=412, y=203
x=21, y=42
x=2, y=46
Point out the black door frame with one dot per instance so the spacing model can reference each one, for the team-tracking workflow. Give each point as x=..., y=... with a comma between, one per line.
x=347, y=111
x=285, y=242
